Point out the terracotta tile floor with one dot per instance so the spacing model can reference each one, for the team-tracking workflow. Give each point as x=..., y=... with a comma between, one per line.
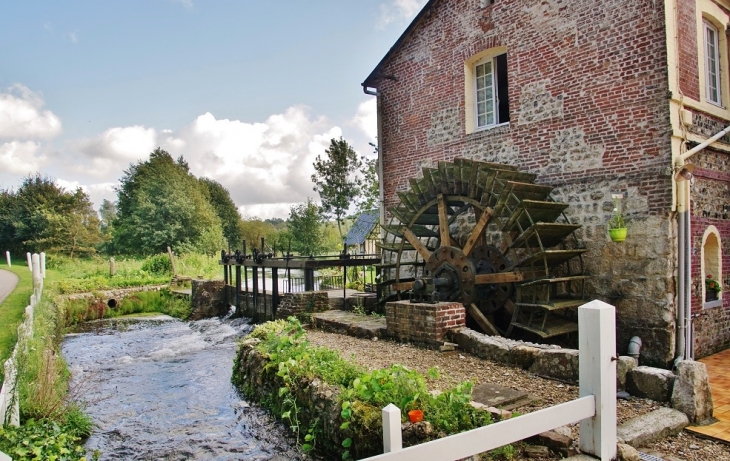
x=718, y=368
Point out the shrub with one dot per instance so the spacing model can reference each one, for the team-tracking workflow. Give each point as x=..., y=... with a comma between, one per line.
x=158, y=265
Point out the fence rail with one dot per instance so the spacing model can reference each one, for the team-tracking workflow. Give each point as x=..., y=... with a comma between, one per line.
x=595, y=409
x=9, y=406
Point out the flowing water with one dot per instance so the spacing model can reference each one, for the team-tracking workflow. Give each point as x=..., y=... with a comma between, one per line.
x=160, y=389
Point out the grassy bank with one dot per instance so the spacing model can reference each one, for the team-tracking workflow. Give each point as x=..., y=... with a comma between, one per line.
x=11, y=312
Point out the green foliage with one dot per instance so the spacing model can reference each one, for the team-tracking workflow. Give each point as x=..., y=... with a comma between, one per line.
x=161, y=204
x=305, y=228
x=266, y=329
x=336, y=179
x=42, y=440
x=11, y=313
x=41, y=216
x=252, y=229
x=227, y=211
x=158, y=264
x=370, y=187
x=617, y=220
x=363, y=393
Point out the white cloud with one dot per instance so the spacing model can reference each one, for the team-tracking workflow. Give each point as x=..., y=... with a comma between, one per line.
x=22, y=115
x=114, y=149
x=21, y=157
x=399, y=10
x=366, y=118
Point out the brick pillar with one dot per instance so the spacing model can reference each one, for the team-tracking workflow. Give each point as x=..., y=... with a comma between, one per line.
x=422, y=322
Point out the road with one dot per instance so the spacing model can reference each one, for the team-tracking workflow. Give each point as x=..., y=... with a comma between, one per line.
x=8, y=280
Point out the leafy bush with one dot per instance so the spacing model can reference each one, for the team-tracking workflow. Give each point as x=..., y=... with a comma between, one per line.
x=42, y=440
x=363, y=393
x=158, y=265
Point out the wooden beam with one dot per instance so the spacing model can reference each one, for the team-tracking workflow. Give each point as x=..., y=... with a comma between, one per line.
x=483, y=322
x=477, y=231
x=413, y=240
x=499, y=277
x=443, y=222
x=402, y=286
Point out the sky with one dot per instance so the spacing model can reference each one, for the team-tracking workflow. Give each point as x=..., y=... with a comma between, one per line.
x=248, y=91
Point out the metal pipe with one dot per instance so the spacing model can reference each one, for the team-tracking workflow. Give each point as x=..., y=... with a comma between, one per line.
x=683, y=157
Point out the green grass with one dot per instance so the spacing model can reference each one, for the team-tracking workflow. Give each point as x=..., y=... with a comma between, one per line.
x=11, y=312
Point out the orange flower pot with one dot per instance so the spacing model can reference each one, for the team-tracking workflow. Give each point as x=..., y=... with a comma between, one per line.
x=415, y=415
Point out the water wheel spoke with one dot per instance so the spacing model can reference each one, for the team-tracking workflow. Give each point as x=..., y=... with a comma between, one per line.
x=482, y=320
x=477, y=231
x=417, y=245
x=443, y=221
x=500, y=277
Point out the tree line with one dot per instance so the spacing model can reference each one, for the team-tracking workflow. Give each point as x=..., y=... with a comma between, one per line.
x=160, y=203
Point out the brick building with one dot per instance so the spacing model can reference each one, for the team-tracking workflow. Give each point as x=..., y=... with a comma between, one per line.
x=596, y=98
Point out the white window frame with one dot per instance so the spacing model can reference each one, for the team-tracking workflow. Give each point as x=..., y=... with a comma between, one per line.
x=713, y=78
x=492, y=103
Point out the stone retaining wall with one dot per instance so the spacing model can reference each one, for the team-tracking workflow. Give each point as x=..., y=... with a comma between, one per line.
x=298, y=303
x=208, y=299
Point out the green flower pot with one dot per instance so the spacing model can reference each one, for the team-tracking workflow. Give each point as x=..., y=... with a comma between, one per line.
x=618, y=235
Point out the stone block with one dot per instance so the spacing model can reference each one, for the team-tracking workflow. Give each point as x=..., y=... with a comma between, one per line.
x=560, y=364
x=650, y=383
x=651, y=427
x=691, y=394
x=523, y=356
x=208, y=299
x=626, y=452
x=624, y=364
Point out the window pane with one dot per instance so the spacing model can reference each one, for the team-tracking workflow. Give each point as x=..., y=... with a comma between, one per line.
x=484, y=82
x=712, y=61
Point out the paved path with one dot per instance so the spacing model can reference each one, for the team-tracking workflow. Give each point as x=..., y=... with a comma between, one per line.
x=8, y=280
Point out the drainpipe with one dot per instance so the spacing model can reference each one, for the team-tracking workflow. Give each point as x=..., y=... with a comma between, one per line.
x=684, y=273
x=381, y=193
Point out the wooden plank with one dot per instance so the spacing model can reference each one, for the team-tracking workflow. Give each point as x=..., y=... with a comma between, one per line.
x=483, y=322
x=413, y=240
x=499, y=277
x=402, y=286
x=477, y=231
x=443, y=222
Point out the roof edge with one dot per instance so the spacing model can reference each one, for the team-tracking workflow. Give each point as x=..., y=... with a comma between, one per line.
x=375, y=74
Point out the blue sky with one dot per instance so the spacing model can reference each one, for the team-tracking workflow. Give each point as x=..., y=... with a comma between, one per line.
x=249, y=91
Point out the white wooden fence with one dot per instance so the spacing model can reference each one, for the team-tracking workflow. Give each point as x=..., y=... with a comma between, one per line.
x=9, y=408
x=595, y=408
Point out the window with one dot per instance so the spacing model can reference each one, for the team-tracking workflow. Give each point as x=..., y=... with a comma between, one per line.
x=490, y=91
x=711, y=265
x=712, y=64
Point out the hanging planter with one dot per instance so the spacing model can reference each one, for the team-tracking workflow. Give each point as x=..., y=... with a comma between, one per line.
x=617, y=224
x=618, y=234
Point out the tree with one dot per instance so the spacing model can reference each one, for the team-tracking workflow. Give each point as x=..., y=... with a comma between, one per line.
x=305, y=228
x=252, y=229
x=225, y=208
x=42, y=216
x=159, y=204
x=336, y=180
x=370, y=187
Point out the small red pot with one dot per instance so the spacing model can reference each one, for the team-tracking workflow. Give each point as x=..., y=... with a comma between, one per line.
x=415, y=415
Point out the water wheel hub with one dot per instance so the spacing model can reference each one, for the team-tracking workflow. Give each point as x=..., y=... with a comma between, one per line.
x=453, y=274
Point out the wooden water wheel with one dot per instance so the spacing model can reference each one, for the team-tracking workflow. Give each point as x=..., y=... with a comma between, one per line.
x=486, y=235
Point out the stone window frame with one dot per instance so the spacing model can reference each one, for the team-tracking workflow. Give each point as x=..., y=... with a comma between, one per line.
x=711, y=263
x=470, y=89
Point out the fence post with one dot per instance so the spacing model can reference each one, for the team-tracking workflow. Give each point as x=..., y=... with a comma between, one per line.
x=597, y=376
x=392, y=435
x=43, y=264
x=30, y=262
x=7, y=257
x=37, y=279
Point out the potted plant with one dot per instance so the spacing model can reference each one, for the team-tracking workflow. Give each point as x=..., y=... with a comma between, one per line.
x=712, y=288
x=617, y=224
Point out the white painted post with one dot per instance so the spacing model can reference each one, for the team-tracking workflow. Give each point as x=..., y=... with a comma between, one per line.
x=7, y=258
x=43, y=264
x=30, y=263
x=37, y=279
x=597, y=339
x=392, y=435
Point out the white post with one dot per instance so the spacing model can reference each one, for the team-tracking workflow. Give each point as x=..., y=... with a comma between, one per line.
x=392, y=435
x=43, y=264
x=30, y=263
x=7, y=258
x=37, y=279
x=597, y=339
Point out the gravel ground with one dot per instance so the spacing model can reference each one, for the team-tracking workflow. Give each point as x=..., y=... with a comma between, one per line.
x=457, y=366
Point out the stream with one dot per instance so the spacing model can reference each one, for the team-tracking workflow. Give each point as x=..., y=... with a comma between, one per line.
x=160, y=389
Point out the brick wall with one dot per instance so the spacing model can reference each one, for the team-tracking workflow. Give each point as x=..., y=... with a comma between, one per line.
x=589, y=114
x=421, y=322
